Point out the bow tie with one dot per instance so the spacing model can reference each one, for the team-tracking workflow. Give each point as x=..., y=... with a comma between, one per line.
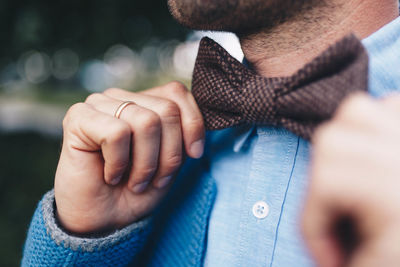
x=230, y=94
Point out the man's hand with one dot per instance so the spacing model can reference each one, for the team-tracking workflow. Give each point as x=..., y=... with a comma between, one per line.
x=112, y=171
x=355, y=174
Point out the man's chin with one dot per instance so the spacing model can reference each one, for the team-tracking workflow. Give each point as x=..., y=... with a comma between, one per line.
x=203, y=15
x=238, y=16
x=203, y=25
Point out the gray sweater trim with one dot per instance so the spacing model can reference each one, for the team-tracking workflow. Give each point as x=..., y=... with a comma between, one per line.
x=60, y=237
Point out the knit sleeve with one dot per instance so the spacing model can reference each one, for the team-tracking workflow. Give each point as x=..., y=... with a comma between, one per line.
x=49, y=245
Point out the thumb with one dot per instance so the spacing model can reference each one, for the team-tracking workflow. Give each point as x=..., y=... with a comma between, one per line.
x=380, y=250
x=318, y=221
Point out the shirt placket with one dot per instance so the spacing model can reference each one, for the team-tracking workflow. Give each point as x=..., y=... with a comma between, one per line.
x=270, y=171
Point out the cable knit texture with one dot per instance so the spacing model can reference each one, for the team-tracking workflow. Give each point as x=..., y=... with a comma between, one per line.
x=48, y=245
x=178, y=240
x=181, y=228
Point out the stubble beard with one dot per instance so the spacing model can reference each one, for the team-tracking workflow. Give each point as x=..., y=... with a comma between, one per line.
x=239, y=16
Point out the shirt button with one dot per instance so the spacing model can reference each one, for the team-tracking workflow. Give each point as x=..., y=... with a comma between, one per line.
x=260, y=210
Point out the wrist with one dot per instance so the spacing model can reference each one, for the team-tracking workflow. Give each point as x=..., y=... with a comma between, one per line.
x=81, y=226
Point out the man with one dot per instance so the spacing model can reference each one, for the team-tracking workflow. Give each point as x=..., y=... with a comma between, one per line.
x=240, y=202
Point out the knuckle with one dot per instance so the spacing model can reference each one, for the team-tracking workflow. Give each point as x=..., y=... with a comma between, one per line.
x=112, y=91
x=118, y=165
x=119, y=132
x=92, y=98
x=177, y=88
x=169, y=109
x=352, y=106
x=173, y=162
x=76, y=108
x=145, y=172
x=74, y=111
x=320, y=132
x=148, y=121
x=170, y=165
x=324, y=135
x=195, y=125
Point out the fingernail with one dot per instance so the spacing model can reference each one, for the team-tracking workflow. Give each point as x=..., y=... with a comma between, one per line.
x=163, y=182
x=116, y=180
x=139, y=188
x=197, y=148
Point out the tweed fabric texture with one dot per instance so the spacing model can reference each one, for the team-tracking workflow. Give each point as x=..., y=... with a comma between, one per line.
x=229, y=94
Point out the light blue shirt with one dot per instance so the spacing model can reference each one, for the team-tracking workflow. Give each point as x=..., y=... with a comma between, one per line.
x=268, y=166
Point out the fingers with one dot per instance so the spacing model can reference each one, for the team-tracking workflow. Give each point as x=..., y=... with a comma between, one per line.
x=349, y=174
x=392, y=102
x=362, y=113
x=145, y=126
x=355, y=109
x=317, y=230
x=88, y=125
x=192, y=120
x=170, y=156
x=329, y=193
x=162, y=121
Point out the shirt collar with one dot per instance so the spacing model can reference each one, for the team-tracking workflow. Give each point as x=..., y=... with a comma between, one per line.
x=383, y=48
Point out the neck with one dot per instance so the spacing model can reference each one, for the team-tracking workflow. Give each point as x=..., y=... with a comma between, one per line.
x=285, y=48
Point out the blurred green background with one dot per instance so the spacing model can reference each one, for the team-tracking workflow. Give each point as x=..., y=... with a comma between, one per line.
x=54, y=54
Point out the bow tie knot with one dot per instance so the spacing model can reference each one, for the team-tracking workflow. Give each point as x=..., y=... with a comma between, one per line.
x=230, y=94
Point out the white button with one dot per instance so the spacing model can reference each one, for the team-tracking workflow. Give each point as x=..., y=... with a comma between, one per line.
x=260, y=210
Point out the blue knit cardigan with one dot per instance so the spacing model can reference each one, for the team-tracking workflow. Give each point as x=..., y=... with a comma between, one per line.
x=175, y=235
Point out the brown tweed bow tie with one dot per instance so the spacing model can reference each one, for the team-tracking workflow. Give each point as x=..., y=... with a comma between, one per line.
x=230, y=94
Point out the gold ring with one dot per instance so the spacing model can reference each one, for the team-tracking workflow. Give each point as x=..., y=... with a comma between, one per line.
x=121, y=108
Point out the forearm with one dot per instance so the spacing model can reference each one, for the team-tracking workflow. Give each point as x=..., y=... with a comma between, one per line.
x=49, y=245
